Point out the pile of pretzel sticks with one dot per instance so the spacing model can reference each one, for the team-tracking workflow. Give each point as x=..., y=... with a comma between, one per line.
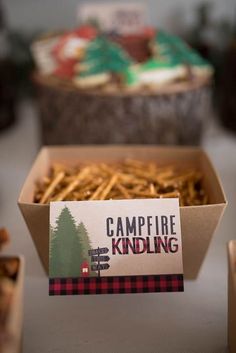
x=129, y=179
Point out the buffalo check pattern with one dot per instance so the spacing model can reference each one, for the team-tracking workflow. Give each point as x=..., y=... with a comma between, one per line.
x=119, y=284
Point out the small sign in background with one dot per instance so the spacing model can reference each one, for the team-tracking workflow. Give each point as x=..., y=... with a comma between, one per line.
x=123, y=18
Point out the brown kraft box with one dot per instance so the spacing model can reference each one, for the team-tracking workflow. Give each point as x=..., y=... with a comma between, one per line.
x=198, y=223
x=232, y=296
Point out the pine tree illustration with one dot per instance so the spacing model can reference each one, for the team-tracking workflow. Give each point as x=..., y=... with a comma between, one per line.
x=86, y=245
x=51, y=237
x=66, y=248
x=102, y=55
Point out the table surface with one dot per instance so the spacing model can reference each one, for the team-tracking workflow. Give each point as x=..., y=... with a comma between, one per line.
x=191, y=322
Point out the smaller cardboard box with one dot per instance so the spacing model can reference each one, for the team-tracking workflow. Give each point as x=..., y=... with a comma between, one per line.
x=232, y=296
x=14, y=320
x=198, y=223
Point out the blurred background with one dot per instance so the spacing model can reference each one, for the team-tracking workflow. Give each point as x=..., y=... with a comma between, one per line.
x=209, y=27
x=41, y=103
x=31, y=15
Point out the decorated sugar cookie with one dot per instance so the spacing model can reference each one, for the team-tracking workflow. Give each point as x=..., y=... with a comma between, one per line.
x=102, y=59
x=68, y=51
x=199, y=66
x=131, y=77
x=156, y=72
x=175, y=50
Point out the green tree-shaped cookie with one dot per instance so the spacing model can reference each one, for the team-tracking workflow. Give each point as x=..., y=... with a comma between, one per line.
x=175, y=50
x=102, y=55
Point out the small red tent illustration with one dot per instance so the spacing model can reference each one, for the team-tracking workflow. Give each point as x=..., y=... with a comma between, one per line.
x=85, y=269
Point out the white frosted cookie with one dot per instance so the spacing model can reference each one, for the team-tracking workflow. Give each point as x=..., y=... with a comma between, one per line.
x=92, y=81
x=162, y=76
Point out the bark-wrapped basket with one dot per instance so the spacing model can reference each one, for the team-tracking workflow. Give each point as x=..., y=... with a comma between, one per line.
x=174, y=115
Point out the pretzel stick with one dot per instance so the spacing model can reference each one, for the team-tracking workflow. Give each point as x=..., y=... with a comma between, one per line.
x=48, y=192
x=144, y=194
x=129, y=179
x=61, y=196
x=191, y=190
x=108, y=187
x=170, y=194
x=142, y=174
x=123, y=191
x=98, y=191
x=179, y=179
x=152, y=189
x=162, y=176
x=107, y=169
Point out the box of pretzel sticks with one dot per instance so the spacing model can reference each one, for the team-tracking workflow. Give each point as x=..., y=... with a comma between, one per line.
x=11, y=299
x=127, y=172
x=232, y=296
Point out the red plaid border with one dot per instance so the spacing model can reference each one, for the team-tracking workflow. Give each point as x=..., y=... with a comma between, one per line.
x=112, y=285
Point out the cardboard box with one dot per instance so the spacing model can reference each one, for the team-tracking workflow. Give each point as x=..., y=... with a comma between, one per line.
x=232, y=296
x=14, y=321
x=198, y=223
